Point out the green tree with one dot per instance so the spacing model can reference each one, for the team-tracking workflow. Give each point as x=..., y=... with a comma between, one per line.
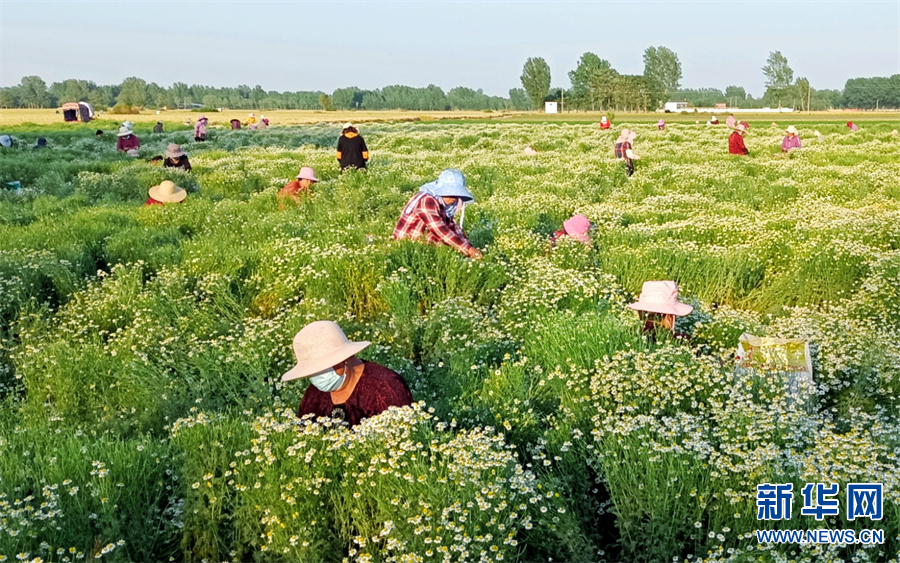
x=518, y=99
x=101, y=97
x=735, y=95
x=33, y=92
x=779, y=76
x=804, y=93
x=347, y=98
x=536, y=81
x=603, y=84
x=325, y=102
x=435, y=98
x=77, y=90
x=9, y=97
x=662, y=70
x=182, y=94
x=133, y=92
x=583, y=95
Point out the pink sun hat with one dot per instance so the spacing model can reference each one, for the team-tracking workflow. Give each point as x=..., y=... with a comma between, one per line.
x=576, y=225
x=661, y=297
x=307, y=173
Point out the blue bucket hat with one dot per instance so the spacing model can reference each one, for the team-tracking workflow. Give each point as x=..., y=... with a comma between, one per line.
x=450, y=183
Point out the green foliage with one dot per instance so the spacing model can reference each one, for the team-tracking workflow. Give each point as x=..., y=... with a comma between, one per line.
x=536, y=81
x=779, y=76
x=662, y=69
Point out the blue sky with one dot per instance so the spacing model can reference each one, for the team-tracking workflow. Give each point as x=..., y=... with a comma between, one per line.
x=297, y=45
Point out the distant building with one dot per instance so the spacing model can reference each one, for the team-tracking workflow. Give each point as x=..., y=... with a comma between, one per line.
x=676, y=106
x=721, y=105
x=550, y=107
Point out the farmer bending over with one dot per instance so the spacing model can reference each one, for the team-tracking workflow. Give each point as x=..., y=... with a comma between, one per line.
x=291, y=192
x=623, y=149
x=658, y=306
x=736, y=141
x=352, y=151
x=176, y=158
x=430, y=213
x=576, y=227
x=127, y=141
x=791, y=140
x=343, y=386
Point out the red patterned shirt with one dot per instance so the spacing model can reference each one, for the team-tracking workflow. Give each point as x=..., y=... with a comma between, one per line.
x=424, y=215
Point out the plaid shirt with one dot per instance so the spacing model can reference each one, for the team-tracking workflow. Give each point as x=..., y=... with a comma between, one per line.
x=622, y=149
x=424, y=214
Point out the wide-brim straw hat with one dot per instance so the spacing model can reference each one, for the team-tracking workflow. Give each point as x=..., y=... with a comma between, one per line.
x=319, y=346
x=124, y=132
x=661, y=297
x=530, y=151
x=167, y=192
x=791, y=129
x=307, y=173
x=348, y=125
x=174, y=151
x=6, y=141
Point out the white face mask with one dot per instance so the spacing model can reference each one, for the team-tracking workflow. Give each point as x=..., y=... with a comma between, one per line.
x=328, y=380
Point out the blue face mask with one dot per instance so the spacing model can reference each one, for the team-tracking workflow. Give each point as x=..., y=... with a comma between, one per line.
x=328, y=380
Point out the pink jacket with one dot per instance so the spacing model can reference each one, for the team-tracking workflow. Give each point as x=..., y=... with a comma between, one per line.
x=200, y=128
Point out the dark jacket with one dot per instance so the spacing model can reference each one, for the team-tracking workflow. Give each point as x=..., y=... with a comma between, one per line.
x=180, y=162
x=352, y=151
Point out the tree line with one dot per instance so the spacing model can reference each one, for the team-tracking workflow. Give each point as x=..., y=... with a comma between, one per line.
x=33, y=92
x=594, y=86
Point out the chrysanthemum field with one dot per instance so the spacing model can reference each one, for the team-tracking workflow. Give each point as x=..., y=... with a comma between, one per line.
x=142, y=417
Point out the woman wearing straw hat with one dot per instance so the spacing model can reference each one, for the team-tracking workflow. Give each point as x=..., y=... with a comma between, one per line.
x=165, y=192
x=661, y=125
x=791, y=140
x=127, y=141
x=605, y=123
x=352, y=151
x=290, y=193
x=175, y=158
x=659, y=306
x=343, y=386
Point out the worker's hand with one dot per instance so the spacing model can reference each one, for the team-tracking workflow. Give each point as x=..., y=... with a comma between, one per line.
x=475, y=254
